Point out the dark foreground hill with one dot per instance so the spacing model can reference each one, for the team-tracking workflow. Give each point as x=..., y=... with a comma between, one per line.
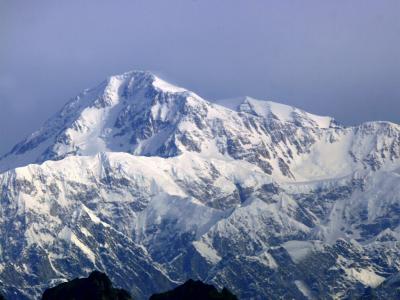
x=195, y=290
x=99, y=287
x=96, y=287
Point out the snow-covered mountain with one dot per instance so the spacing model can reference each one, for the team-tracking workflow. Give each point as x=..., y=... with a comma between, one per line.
x=154, y=185
x=141, y=114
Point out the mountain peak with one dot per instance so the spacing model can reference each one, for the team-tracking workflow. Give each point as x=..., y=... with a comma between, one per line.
x=145, y=78
x=116, y=115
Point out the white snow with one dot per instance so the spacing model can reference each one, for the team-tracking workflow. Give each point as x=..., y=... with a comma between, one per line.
x=207, y=252
x=298, y=250
x=264, y=108
x=85, y=249
x=92, y=216
x=86, y=232
x=167, y=87
x=367, y=277
x=304, y=289
x=67, y=235
x=268, y=260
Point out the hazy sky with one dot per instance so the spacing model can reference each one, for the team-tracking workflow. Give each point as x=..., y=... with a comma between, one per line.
x=338, y=58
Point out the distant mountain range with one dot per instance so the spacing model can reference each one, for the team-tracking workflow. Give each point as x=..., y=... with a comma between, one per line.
x=154, y=185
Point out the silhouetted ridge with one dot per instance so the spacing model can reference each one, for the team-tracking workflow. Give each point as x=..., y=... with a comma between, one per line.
x=195, y=290
x=96, y=287
x=99, y=287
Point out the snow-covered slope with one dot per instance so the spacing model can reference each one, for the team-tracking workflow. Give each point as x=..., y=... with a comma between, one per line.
x=153, y=185
x=188, y=216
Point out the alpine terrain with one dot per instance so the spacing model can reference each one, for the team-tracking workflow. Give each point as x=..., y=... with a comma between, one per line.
x=154, y=185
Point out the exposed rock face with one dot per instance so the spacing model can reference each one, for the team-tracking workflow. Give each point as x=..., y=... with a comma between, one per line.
x=154, y=185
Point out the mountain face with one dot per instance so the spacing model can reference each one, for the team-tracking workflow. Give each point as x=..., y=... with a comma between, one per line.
x=154, y=185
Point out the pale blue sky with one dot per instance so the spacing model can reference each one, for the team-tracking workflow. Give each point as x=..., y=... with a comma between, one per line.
x=338, y=58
